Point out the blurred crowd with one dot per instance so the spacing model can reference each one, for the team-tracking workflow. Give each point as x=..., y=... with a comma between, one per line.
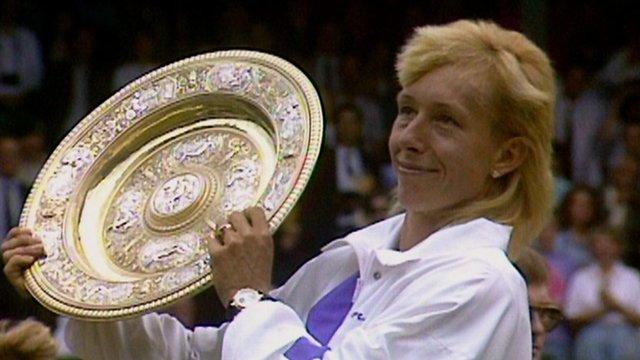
x=60, y=60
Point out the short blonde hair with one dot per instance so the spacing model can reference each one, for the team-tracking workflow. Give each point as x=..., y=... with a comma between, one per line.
x=28, y=339
x=520, y=94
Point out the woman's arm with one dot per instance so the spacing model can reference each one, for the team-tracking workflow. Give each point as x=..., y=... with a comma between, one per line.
x=152, y=336
x=610, y=302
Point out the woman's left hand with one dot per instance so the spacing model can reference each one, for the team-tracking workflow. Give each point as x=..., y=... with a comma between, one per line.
x=242, y=256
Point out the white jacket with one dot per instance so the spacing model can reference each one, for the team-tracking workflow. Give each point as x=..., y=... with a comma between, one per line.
x=455, y=295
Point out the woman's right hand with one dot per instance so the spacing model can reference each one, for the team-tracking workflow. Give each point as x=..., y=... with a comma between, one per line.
x=19, y=251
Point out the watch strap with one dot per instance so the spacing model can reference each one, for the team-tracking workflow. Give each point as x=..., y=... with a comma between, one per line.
x=232, y=310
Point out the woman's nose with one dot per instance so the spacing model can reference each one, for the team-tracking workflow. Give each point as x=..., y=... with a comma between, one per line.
x=414, y=138
x=536, y=323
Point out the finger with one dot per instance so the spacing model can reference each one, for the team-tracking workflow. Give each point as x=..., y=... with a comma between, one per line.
x=17, y=264
x=36, y=251
x=218, y=234
x=220, y=230
x=214, y=243
x=257, y=218
x=240, y=223
x=7, y=255
x=20, y=241
x=18, y=230
x=230, y=236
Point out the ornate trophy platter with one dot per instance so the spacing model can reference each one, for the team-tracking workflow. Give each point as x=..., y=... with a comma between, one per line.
x=126, y=201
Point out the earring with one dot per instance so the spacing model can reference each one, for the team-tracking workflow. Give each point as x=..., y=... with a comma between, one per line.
x=495, y=174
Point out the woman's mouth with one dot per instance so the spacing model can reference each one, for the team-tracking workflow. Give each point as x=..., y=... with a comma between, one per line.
x=413, y=169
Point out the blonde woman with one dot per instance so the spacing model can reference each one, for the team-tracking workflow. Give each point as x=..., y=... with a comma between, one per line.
x=471, y=147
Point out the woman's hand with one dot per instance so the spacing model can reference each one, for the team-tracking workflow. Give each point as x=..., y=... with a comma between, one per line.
x=609, y=302
x=242, y=256
x=19, y=251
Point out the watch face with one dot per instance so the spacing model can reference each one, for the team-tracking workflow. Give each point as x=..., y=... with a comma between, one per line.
x=246, y=297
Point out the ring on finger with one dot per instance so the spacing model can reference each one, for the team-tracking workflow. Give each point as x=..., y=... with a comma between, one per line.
x=218, y=233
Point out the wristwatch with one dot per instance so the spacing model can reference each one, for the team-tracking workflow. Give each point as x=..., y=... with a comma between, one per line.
x=243, y=299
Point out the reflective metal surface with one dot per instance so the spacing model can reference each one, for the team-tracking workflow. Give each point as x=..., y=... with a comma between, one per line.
x=125, y=202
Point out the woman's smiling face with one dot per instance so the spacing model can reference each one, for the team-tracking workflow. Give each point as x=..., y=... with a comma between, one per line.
x=442, y=145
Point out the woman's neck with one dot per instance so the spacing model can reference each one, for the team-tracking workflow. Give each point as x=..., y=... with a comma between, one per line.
x=419, y=226
x=606, y=265
x=580, y=230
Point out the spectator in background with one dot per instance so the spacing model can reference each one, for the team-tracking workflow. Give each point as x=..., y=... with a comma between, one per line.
x=623, y=125
x=622, y=199
x=624, y=65
x=621, y=195
x=26, y=340
x=579, y=213
x=358, y=90
x=82, y=82
x=556, y=263
x=11, y=199
x=33, y=154
x=20, y=57
x=60, y=54
x=141, y=62
x=298, y=31
x=11, y=193
x=290, y=251
x=326, y=68
x=561, y=182
x=354, y=181
x=558, y=341
x=545, y=313
x=579, y=115
x=603, y=303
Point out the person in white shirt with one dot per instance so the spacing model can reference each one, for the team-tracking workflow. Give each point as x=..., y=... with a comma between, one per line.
x=471, y=146
x=603, y=303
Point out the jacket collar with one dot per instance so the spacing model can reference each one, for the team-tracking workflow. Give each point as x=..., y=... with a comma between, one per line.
x=382, y=238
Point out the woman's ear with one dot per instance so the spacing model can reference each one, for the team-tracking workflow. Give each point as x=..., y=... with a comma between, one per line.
x=509, y=157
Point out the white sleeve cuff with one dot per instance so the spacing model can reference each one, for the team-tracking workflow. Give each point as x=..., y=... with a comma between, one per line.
x=261, y=331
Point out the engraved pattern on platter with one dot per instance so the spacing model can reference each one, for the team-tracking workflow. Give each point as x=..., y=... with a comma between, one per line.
x=177, y=194
x=73, y=165
x=98, y=292
x=163, y=254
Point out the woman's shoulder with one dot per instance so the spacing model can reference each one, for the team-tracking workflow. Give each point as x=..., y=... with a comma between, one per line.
x=480, y=270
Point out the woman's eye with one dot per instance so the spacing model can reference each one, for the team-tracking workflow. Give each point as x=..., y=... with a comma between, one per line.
x=448, y=120
x=406, y=110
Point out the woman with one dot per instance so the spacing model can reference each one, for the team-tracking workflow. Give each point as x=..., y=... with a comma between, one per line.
x=579, y=213
x=603, y=302
x=471, y=148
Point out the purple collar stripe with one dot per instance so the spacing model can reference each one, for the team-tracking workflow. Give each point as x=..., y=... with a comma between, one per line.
x=303, y=349
x=325, y=317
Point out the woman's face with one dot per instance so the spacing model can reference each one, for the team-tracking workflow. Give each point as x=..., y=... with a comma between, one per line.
x=441, y=144
x=604, y=248
x=581, y=208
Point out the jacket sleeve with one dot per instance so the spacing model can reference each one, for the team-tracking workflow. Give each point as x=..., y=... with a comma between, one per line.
x=152, y=336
